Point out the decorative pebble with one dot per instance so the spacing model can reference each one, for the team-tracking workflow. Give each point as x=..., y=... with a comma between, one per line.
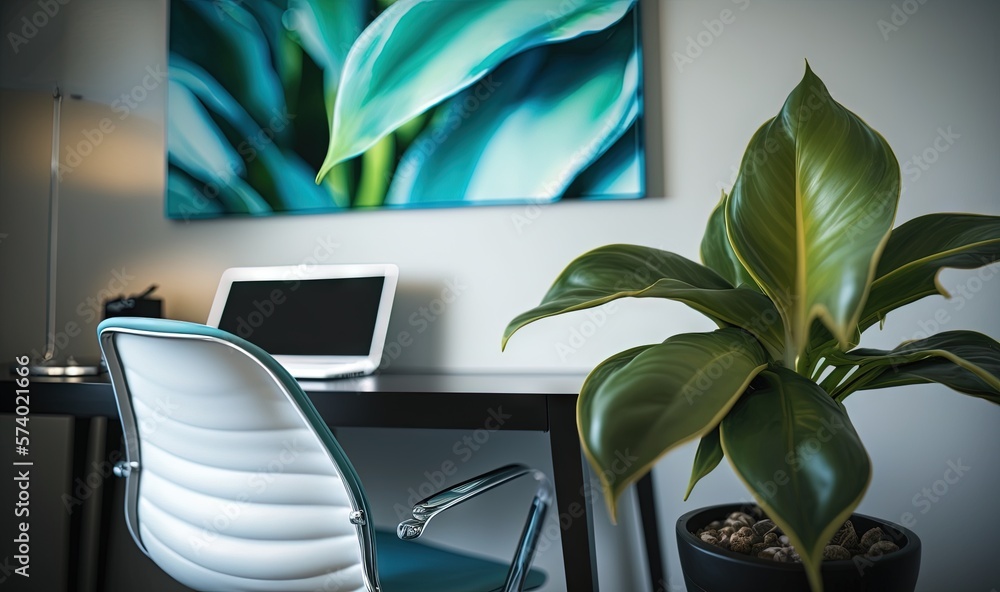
x=740, y=519
x=742, y=541
x=751, y=533
x=769, y=553
x=871, y=537
x=835, y=553
x=845, y=537
x=740, y=546
x=763, y=527
x=881, y=548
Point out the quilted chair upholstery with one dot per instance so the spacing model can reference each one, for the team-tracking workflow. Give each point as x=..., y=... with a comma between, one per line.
x=234, y=482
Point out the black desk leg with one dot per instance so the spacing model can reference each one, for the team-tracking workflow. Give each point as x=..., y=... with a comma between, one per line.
x=650, y=531
x=572, y=496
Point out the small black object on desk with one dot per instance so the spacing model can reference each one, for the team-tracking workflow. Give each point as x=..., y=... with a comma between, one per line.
x=137, y=305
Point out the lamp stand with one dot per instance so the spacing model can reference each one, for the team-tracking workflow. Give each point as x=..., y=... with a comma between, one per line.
x=49, y=365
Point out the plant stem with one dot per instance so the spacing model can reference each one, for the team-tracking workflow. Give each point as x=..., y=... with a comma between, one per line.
x=794, y=360
x=857, y=380
x=791, y=352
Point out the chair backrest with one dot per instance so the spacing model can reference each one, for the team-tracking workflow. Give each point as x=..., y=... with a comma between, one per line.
x=234, y=482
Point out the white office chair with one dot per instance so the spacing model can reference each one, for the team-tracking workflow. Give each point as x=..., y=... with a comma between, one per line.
x=234, y=482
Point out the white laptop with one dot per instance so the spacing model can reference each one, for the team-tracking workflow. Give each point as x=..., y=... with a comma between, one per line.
x=318, y=321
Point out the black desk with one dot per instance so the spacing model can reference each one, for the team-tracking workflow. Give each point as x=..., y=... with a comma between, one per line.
x=534, y=402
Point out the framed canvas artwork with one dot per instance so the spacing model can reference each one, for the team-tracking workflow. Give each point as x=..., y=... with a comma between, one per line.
x=312, y=106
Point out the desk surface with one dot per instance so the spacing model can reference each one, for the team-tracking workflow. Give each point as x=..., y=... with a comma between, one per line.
x=390, y=400
x=468, y=384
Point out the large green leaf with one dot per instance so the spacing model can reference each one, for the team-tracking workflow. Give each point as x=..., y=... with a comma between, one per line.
x=811, y=209
x=918, y=250
x=639, y=404
x=619, y=271
x=547, y=113
x=717, y=252
x=940, y=370
x=708, y=456
x=966, y=361
x=420, y=52
x=795, y=449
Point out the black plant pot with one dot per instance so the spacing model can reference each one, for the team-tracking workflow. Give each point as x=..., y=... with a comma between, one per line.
x=708, y=568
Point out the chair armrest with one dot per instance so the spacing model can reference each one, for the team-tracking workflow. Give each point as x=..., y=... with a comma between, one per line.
x=430, y=507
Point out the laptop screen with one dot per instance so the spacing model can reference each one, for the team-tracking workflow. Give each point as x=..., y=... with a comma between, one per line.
x=309, y=317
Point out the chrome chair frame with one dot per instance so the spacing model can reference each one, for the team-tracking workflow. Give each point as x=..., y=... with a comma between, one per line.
x=426, y=509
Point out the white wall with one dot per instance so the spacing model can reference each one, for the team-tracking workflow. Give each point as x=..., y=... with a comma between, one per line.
x=939, y=69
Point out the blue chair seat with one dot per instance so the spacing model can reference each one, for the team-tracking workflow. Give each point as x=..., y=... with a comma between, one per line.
x=404, y=566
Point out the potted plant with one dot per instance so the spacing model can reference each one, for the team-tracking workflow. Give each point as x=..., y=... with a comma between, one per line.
x=799, y=259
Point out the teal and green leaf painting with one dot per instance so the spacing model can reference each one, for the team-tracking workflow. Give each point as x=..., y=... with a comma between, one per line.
x=310, y=106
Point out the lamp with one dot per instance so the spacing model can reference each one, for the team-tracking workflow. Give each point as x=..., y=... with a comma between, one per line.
x=49, y=364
